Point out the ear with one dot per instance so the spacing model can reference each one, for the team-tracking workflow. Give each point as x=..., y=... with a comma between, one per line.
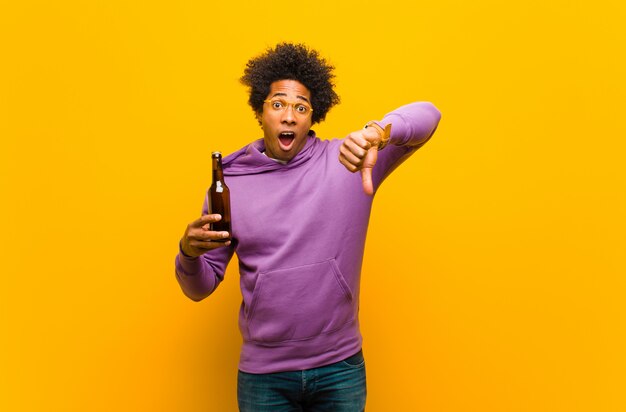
x=258, y=116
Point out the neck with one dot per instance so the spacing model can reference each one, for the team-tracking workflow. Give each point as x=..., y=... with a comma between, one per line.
x=284, y=162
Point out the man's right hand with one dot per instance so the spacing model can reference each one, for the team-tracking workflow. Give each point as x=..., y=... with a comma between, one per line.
x=359, y=151
x=198, y=239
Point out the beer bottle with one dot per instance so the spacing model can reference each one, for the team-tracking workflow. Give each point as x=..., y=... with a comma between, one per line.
x=219, y=198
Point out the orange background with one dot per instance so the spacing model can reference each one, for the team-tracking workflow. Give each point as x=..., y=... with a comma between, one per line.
x=494, y=277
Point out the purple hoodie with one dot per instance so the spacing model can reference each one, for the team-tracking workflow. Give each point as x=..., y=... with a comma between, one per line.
x=299, y=233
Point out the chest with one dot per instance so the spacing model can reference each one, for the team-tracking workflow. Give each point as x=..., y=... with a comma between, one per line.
x=283, y=206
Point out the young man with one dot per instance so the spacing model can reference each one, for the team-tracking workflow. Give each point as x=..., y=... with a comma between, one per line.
x=299, y=220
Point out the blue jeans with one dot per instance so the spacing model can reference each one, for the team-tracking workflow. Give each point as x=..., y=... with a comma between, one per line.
x=339, y=387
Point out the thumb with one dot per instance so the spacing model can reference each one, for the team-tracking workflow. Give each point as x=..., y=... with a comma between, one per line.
x=366, y=170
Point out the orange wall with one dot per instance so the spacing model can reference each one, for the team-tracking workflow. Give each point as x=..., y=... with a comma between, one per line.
x=501, y=288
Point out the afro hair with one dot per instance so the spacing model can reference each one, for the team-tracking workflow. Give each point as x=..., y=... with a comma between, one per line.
x=289, y=61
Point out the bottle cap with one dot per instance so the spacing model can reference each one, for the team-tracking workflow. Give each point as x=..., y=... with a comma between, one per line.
x=216, y=153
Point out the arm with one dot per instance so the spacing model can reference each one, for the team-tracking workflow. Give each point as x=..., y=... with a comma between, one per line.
x=201, y=261
x=412, y=125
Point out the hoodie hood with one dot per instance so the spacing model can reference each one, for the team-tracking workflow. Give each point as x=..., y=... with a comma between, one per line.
x=251, y=159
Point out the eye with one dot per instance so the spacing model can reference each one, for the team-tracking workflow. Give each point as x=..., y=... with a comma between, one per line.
x=277, y=104
x=300, y=108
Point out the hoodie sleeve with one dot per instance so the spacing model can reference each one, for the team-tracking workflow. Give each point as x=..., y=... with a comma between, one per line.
x=412, y=125
x=199, y=276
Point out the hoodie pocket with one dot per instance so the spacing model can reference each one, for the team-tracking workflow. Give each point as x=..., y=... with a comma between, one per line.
x=299, y=303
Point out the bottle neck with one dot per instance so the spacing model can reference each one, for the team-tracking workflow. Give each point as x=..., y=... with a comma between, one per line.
x=218, y=173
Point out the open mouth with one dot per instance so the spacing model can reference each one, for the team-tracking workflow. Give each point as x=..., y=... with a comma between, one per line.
x=286, y=139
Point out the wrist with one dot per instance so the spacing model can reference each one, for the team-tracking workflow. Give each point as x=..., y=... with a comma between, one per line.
x=182, y=251
x=383, y=133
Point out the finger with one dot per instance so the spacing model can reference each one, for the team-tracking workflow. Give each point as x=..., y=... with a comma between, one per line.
x=370, y=158
x=208, y=235
x=359, y=150
x=206, y=219
x=359, y=139
x=366, y=171
x=355, y=157
x=352, y=168
x=366, y=178
x=205, y=246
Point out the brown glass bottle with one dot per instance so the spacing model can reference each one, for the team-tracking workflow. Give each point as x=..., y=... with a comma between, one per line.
x=219, y=198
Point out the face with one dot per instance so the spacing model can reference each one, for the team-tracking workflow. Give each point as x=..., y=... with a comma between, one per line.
x=285, y=119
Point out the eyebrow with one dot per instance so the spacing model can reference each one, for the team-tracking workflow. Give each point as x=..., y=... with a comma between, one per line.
x=285, y=94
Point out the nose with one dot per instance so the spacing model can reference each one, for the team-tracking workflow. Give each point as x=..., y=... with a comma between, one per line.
x=288, y=116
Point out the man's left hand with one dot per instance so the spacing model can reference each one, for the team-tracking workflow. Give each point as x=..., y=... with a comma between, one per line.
x=359, y=151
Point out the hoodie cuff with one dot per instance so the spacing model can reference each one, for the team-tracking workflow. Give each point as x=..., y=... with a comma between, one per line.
x=188, y=265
